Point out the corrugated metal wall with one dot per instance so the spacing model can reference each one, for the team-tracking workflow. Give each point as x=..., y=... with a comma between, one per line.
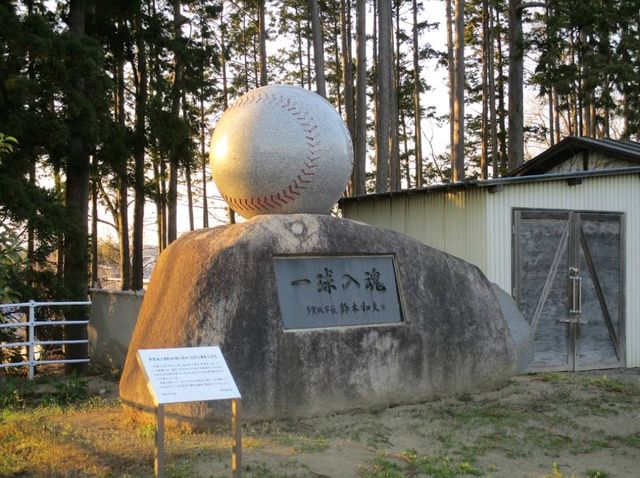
x=612, y=194
x=476, y=225
x=452, y=221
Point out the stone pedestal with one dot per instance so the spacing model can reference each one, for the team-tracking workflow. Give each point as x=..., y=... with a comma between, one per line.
x=219, y=287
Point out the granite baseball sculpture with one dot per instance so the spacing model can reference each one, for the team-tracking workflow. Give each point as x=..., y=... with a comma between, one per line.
x=281, y=150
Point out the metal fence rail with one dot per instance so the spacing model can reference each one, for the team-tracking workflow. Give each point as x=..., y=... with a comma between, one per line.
x=31, y=341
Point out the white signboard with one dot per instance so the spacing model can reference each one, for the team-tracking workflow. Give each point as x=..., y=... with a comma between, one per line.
x=187, y=374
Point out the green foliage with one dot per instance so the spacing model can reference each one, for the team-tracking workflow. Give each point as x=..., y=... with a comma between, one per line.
x=589, y=52
x=12, y=259
x=72, y=389
x=147, y=430
x=17, y=393
x=10, y=395
x=6, y=144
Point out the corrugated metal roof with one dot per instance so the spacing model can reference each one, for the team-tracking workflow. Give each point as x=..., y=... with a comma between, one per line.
x=572, y=177
x=615, y=148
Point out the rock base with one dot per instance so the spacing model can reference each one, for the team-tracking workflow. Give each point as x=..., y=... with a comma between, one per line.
x=218, y=287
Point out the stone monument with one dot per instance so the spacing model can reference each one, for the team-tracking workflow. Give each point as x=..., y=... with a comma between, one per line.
x=314, y=314
x=280, y=150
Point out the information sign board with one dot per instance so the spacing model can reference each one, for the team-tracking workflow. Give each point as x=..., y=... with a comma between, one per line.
x=187, y=374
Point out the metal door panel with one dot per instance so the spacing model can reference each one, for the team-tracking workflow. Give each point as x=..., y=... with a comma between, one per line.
x=568, y=282
x=541, y=259
x=600, y=263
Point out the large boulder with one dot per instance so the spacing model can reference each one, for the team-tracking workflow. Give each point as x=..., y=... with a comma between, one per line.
x=520, y=329
x=218, y=287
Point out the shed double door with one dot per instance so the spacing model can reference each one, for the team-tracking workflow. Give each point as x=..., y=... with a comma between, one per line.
x=568, y=277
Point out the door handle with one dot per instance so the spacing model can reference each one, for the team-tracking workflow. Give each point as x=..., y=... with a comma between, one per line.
x=576, y=291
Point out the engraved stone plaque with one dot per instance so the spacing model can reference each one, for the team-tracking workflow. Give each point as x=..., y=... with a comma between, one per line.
x=334, y=291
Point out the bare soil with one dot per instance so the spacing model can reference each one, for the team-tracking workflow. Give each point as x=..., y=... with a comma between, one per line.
x=558, y=425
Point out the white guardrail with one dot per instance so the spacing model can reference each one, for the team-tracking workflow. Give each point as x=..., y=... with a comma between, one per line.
x=31, y=343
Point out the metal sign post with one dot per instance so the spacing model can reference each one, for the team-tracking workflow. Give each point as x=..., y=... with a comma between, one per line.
x=236, y=430
x=158, y=453
x=190, y=375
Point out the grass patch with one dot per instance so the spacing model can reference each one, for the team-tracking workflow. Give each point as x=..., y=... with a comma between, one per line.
x=18, y=393
x=373, y=435
x=612, y=385
x=64, y=427
x=549, y=377
x=303, y=444
x=410, y=463
x=593, y=473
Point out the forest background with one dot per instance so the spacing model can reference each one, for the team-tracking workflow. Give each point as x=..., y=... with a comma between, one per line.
x=106, y=108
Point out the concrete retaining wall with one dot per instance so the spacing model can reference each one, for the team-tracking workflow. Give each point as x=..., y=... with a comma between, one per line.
x=113, y=318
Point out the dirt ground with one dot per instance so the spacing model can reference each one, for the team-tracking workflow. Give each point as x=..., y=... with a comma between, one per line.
x=557, y=425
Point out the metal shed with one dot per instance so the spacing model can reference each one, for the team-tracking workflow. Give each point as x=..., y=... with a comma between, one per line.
x=561, y=233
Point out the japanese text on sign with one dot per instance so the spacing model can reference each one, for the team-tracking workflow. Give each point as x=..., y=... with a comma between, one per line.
x=337, y=291
x=187, y=374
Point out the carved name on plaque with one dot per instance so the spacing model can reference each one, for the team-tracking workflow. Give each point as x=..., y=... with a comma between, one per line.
x=333, y=291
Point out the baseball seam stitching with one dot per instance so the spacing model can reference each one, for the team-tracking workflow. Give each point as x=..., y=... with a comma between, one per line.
x=294, y=189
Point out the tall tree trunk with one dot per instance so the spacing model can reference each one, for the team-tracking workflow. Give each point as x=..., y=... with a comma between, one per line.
x=360, y=162
x=394, y=154
x=76, y=258
x=417, y=89
x=158, y=192
x=262, y=40
x=585, y=95
x=57, y=187
x=223, y=63
x=256, y=60
x=626, y=113
x=556, y=116
x=385, y=79
x=176, y=93
x=299, y=45
x=484, y=160
x=123, y=186
x=492, y=97
x=551, y=125
x=318, y=48
x=458, y=126
x=576, y=128
x=338, y=69
x=245, y=53
x=31, y=232
x=550, y=97
x=203, y=163
x=140, y=143
x=405, y=149
x=502, y=133
x=163, y=203
x=308, y=55
x=516, y=88
x=94, y=228
x=451, y=77
x=347, y=70
x=123, y=234
x=187, y=169
x=187, y=172
x=606, y=95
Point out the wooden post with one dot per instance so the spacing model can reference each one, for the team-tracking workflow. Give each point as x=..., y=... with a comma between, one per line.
x=158, y=455
x=236, y=430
